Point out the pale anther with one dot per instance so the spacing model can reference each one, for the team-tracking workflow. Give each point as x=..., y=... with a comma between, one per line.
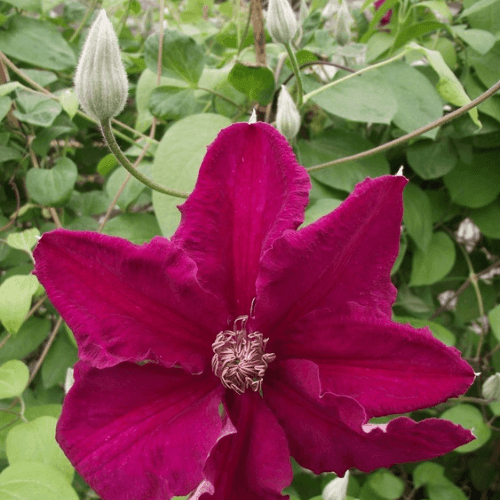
x=239, y=358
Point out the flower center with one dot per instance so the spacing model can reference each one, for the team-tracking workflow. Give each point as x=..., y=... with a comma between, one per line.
x=239, y=360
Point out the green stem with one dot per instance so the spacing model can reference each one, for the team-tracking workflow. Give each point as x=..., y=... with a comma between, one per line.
x=437, y=123
x=107, y=133
x=296, y=70
x=360, y=72
x=89, y=12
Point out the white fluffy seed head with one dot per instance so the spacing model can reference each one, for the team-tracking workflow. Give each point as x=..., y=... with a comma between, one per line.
x=287, y=115
x=100, y=80
x=281, y=21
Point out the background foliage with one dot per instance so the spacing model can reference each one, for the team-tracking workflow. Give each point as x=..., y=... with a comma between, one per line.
x=56, y=172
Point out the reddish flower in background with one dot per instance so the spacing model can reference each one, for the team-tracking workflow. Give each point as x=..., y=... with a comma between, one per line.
x=238, y=304
x=386, y=19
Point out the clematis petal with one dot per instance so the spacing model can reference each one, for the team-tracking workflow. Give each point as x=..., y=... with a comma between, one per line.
x=249, y=190
x=251, y=459
x=346, y=256
x=385, y=366
x=328, y=433
x=140, y=432
x=129, y=303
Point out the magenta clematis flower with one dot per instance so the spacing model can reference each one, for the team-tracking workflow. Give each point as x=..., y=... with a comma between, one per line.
x=386, y=19
x=208, y=359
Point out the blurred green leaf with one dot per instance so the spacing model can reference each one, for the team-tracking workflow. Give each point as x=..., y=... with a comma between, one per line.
x=35, y=441
x=432, y=159
x=14, y=376
x=471, y=418
x=332, y=144
x=61, y=356
x=137, y=228
x=439, y=331
x=52, y=187
x=417, y=215
x=182, y=57
x=177, y=162
x=256, y=82
x=362, y=99
x=172, y=103
x=475, y=185
x=34, y=481
x=435, y=263
x=36, y=42
x=15, y=300
x=25, y=240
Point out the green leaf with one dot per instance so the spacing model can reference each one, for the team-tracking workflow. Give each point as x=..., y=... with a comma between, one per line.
x=417, y=215
x=172, y=103
x=14, y=376
x=133, y=188
x=449, y=87
x=31, y=334
x=471, y=418
x=491, y=106
x=335, y=143
x=438, y=7
x=7, y=154
x=137, y=228
x=480, y=40
x=5, y=104
x=29, y=5
x=416, y=30
x=34, y=481
x=319, y=208
x=15, y=300
x=494, y=318
x=256, y=82
x=378, y=43
x=106, y=164
x=61, y=356
x=36, y=42
x=362, y=99
x=432, y=159
x=467, y=308
x=182, y=57
x=24, y=240
x=52, y=188
x=35, y=441
x=477, y=6
x=439, y=331
x=7, y=88
x=428, y=473
x=486, y=218
x=36, y=109
x=475, y=185
x=445, y=492
x=435, y=263
x=386, y=484
x=418, y=101
x=69, y=102
x=89, y=203
x=482, y=63
x=177, y=162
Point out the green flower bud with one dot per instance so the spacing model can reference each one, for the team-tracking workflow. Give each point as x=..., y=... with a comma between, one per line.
x=100, y=81
x=287, y=116
x=281, y=22
x=342, y=28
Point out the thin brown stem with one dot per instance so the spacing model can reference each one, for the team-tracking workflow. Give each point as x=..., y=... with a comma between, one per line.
x=5, y=340
x=13, y=185
x=46, y=348
x=34, y=309
x=258, y=31
x=405, y=138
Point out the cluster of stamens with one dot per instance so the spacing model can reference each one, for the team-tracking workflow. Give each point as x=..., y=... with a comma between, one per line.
x=239, y=359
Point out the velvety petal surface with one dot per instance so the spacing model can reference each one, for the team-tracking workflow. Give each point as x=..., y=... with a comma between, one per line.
x=249, y=190
x=385, y=366
x=328, y=432
x=346, y=256
x=129, y=303
x=251, y=460
x=140, y=432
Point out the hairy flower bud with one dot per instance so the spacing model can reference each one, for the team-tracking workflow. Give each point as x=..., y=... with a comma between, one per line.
x=342, y=28
x=281, y=22
x=287, y=116
x=100, y=81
